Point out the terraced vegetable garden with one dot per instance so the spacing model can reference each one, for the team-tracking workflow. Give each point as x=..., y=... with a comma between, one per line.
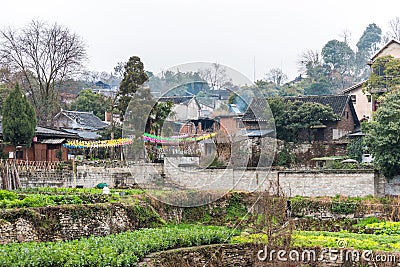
x=123, y=249
x=127, y=248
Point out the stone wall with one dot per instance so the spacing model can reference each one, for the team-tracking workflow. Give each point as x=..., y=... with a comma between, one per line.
x=89, y=176
x=233, y=255
x=293, y=183
x=74, y=221
x=178, y=174
x=392, y=187
x=330, y=183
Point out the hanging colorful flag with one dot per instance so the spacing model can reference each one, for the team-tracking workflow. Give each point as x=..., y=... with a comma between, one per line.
x=97, y=144
x=160, y=139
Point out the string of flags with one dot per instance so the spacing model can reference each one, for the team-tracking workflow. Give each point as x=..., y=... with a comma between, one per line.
x=128, y=141
x=97, y=144
x=177, y=139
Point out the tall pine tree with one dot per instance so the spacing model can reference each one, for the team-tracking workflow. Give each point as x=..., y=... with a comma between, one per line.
x=19, y=119
x=134, y=77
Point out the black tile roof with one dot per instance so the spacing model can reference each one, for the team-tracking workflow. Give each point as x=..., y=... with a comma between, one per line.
x=49, y=132
x=175, y=99
x=256, y=109
x=42, y=131
x=86, y=120
x=336, y=102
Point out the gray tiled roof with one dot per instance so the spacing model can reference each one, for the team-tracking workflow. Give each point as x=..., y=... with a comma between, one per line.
x=86, y=135
x=336, y=102
x=49, y=132
x=42, y=131
x=175, y=99
x=256, y=109
x=86, y=120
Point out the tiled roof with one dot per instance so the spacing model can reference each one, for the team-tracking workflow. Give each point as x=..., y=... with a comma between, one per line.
x=232, y=108
x=351, y=88
x=48, y=132
x=85, y=120
x=175, y=99
x=336, y=102
x=53, y=141
x=256, y=109
x=86, y=135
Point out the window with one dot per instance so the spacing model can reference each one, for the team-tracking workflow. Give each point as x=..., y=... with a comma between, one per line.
x=369, y=98
x=353, y=98
x=19, y=154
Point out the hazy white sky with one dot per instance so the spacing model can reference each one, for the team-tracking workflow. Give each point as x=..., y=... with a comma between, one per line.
x=165, y=33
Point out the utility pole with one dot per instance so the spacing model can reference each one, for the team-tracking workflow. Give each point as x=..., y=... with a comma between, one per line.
x=254, y=69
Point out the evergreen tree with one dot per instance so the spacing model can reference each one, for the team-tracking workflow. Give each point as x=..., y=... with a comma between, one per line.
x=382, y=135
x=339, y=57
x=19, y=119
x=366, y=47
x=134, y=77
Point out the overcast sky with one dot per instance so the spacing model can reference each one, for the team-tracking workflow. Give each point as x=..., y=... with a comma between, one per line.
x=164, y=33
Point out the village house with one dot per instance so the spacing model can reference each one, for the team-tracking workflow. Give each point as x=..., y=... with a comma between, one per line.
x=256, y=123
x=364, y=103
x=185, y=108
x=47, y=145
x=255, y=118
x=85, y=124
x=342, y=106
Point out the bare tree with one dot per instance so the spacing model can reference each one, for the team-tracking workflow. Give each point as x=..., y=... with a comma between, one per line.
x=394, y=26
x=394, y=30
x=216, y=76
x=309, y=59
x=45, y=55
x=276, y=76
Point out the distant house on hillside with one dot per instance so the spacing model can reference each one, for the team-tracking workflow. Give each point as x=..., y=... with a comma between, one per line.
x=342, y=106
x=363, y=103
x=102, y=85
x=105, y=89
x=85, y=124
x=254, y=118
x=67, y=98
x=47, y=145
x=185, y=107
x=229, y=123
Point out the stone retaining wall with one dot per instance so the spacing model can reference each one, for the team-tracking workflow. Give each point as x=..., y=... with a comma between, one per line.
x=245, y=255
x=73, y=221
